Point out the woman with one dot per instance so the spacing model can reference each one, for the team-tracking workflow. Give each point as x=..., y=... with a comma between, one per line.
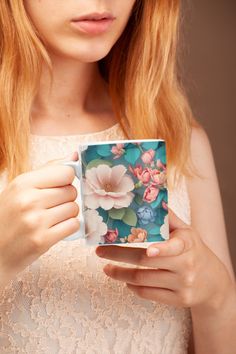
x=64, y=80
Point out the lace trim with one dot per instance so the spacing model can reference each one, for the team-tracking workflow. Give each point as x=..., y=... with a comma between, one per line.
x=64, y=303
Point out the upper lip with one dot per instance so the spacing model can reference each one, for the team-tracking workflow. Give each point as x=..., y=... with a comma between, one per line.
x=94, y=16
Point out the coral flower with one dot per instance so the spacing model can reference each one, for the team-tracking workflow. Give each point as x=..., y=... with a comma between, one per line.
x=137, y=235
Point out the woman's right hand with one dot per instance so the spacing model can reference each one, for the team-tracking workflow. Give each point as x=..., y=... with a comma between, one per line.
x=37, y=209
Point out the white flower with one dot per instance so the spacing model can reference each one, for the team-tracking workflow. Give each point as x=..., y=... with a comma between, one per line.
x=94, y=227
x=164, y=230
x=108, y=187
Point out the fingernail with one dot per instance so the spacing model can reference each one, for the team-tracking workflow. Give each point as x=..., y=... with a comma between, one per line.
x=152, y=252
x=75, y=156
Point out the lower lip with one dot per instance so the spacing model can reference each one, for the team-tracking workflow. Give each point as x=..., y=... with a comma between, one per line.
x=93, y=26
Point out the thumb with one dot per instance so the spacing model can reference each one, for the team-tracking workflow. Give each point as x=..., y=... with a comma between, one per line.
x=175, y=222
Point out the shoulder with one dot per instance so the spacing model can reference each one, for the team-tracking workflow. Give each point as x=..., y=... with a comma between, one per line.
x=201, y=152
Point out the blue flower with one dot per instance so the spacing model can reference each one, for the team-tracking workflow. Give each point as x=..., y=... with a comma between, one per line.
x=146, y=215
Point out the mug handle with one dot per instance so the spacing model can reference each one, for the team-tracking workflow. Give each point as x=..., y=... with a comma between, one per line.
x=78, y=173
x=76, y=166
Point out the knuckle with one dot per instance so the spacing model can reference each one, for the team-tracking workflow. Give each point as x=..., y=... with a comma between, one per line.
x=19, y=202
x=190, y=263
x=25, y=202
x=186, y=298
x=16, y=184
x=37, y=244
x=31, y=221
x=189, y=279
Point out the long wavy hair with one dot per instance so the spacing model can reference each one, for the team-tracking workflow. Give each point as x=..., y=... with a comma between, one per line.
x=146, y=95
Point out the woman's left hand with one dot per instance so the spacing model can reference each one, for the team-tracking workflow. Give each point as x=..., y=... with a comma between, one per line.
x=183, y=272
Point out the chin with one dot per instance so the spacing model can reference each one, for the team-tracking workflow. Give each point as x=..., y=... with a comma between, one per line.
x=84, y=53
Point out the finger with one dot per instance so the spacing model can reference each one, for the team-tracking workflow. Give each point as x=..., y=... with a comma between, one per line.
x=143, y=277
x=70, y=157
x=136, y=256
x=179, y=243
x=60, y=213
x=52, y=197
x=50, y=176
x=61, y=230
x=164, y=296
x=174, y=221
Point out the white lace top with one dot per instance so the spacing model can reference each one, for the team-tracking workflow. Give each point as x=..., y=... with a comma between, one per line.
x=64, y=303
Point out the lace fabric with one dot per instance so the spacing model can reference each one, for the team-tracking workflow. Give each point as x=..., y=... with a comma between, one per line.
x=63, y=303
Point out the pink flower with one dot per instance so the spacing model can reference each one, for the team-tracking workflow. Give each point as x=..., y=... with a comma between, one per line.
x=158, y=177
x=107, y=187
x=111, y=236
x=148, y=156
x=145, y=176
x=118, y=150
x=137, y=170
x=150, y=193
x=137, y=235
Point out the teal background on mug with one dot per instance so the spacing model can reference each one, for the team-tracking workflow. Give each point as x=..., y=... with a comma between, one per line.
x=124, y=187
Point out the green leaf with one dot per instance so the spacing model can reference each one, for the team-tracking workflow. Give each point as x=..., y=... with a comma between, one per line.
x=131, y=155
x=130, y=217
x=138, y=199
x=150, y=145
x=104, y=150
x=117, y=214
x=159, y=199
x=96, y=162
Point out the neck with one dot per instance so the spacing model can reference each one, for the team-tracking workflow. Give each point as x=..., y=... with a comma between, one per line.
x=75, y=87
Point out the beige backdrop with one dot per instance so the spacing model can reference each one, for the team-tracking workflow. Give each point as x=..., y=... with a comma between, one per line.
x=208, y=69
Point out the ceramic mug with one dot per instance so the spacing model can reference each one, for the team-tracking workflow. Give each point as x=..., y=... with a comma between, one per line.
x=123, y=192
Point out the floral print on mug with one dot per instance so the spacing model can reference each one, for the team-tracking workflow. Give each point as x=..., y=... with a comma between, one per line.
x=125, y=192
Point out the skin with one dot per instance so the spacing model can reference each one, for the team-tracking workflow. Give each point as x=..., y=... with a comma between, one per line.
x=79, y=96
x=43, y=201
x=187, y=270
